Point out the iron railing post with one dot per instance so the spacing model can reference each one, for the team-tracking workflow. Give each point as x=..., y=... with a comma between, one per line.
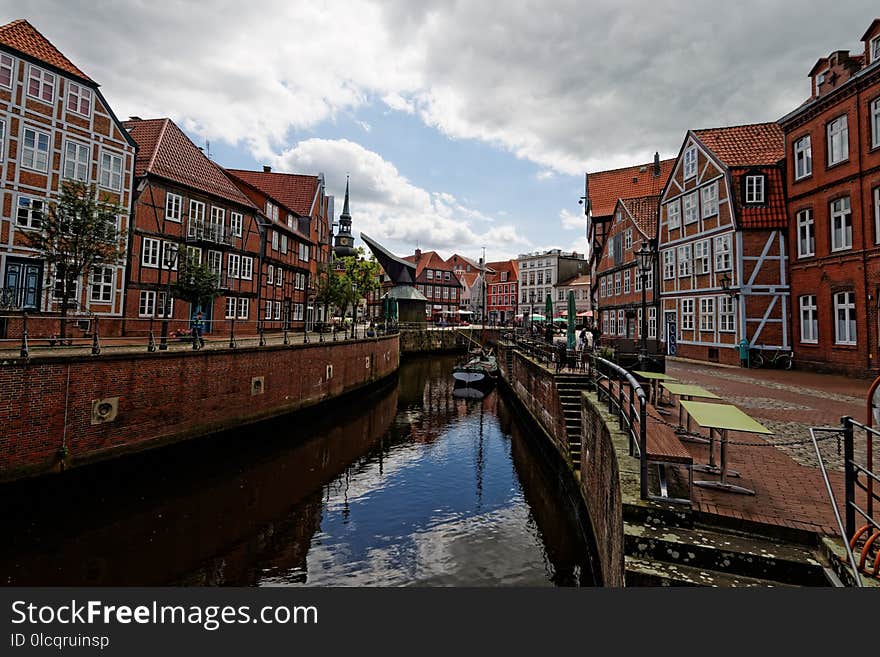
x=232, y=343
x=24, y=337
x=850, y=475
x=620, y=402
x=632, y=419
x=643, y=449
x=96, y=345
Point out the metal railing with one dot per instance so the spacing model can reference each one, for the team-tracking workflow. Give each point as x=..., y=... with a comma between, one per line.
x=203, y=230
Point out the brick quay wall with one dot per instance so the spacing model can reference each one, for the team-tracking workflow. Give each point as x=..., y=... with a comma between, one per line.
x=57, y=413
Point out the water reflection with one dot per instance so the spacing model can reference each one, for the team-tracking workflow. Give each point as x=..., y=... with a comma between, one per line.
x=420, y=489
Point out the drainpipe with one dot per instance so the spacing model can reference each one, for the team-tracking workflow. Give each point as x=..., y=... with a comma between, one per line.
x=865, y=212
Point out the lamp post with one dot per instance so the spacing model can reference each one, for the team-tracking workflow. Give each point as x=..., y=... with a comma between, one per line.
x=725, y=287
x=645, y=257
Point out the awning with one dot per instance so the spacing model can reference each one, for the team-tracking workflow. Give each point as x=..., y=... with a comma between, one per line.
x=586, y=313
x=465, y=312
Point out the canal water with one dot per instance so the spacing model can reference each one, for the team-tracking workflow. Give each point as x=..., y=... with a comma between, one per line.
x=409, y=485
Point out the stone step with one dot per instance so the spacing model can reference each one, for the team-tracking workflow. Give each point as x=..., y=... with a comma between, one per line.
x=644, y=572
x=747, y=556
x=657, y=513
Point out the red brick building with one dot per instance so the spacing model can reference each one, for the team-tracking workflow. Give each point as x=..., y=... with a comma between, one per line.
x=186, y=205
x=502, y=291
x=435, y=278
x=617, y=276
x=55, y=125
x=832, y=153
x=722, y=244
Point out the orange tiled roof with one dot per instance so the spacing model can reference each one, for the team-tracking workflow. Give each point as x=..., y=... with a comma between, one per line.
x=606, y=187
x=428, y=260
x=467, y=278
x=770, y=215
x=643, y=210
x=756, y=144
x=296, y=191
x=165, y=151
x=23, y=37
x=510, y=266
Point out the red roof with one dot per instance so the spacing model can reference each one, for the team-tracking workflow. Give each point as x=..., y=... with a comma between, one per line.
x=24, y=38
x=467, y=278
x=771, y=215
x=428, y=260
x=296, y=191
x=643, y=211
x=165, y=151
x=510, y=266
x=745, y=145
x=606, y=187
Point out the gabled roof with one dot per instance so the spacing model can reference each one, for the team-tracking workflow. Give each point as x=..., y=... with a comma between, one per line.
x=467, y=278
x=870, y=29
x=21, y=36
x=428, y=260
x=496, y=268
x=165, y=151
x=465, y=260
x=296, y=191
x=606, y=187
x=756, y=144
x=643, y=211
x=770, y=215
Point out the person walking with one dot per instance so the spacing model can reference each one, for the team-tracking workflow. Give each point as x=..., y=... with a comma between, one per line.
x=198, y=328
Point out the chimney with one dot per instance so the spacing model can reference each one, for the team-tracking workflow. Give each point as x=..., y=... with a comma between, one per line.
x=267, y=168
x=418, y=253
x=656, y=164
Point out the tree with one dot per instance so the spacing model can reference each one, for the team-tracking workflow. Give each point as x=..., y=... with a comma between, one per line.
x=329, y=288
x=78, y=233
x=196, y=282
x=359, y=277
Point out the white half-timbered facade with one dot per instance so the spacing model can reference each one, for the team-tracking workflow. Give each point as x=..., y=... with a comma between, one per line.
x=722, y=244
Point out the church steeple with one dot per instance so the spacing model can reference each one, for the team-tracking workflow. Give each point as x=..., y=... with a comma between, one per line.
x=344, y=242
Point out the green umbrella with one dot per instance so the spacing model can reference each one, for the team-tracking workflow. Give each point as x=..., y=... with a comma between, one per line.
x=572, y=312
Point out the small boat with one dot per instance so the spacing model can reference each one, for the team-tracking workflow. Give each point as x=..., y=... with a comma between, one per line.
x=480, y=370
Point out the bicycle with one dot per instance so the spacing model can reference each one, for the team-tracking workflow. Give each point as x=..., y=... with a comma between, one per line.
x=779, y=358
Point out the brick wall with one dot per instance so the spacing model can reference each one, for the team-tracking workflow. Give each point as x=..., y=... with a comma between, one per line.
x=46, y=409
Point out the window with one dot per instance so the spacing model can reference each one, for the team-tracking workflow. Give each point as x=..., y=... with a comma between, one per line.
x=722, y=253
x=196, y=226
x=429, y=291
x=29, y=213
x=755, y=189
x=803, y=158
x=560, y=295
x=875, y=49
x=806, y=234
x=247, y=267
x=838, y=140
x=652, y=322
x=235, y=223
x=845, y=312
x=163, y=310
x=673, y=214
x=35, y=150
x=169, y=255
x=690, y=162
x=173, y=207
x=101, y=284
x=875, y=123
x=701, y=257
x=809, y=319
x=111, y=171
x=430, y=274
x=684, y=260
x=244, y=308
x=877, y=215
x=215, y=263
x=231, y=305
x=621, y=322
x=726, y=315
x=6, y=70
x=618, y=217
x=76, y=161
x=628, y=239
x=687, y=314
x=626, y=282
x=710, y=200
x=274, y=240
x=284, y=244
x=690, y=208
x=2, y=139
x=270, y=274
x=79, y=99
x=602, y=288
x=841, y=225
x=268, y=314
x=668, y=264
x=277, y=310
x=279, y=276
x=638, y=282
x=147, y=303
x=707, y=314
x=41, y=84
x=617, y=284
x=233, y=269
x=649, y=280
x=150, y=252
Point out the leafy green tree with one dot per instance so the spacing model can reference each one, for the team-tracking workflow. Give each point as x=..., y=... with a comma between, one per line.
x=329, y=288
x=359, y=277
x=195, y=283
x=78, y=233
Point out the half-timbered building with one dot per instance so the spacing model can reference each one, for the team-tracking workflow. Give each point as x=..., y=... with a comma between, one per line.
x=722, y=244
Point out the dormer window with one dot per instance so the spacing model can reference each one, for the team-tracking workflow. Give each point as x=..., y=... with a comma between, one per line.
x=754, y=188
x=875, y=48
x=690, y=162
x=79, y=99
x=820, y=79
x=41, y=84
x=6, y=70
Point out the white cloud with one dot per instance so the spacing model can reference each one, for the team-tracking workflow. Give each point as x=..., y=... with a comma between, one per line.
x=545, y=174
x=391, y=209
x=572, y=221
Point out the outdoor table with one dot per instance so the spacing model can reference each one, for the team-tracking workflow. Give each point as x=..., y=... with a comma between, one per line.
x=722, y=418
x=655, y=378
x=686, y=392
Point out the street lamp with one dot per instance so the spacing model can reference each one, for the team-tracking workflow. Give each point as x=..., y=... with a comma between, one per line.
x=725, y=287
x=645, y=258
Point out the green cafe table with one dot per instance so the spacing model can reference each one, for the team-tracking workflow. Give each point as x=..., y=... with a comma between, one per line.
x=687, y=392
x=655, y=378
x=722, y=418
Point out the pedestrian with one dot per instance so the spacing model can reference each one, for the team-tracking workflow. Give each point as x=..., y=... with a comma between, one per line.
x=597, y=334
x=583, y=338
x=561, y=355
x=198, y=328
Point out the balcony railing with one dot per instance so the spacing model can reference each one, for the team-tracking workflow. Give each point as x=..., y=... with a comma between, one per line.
x=202, y=230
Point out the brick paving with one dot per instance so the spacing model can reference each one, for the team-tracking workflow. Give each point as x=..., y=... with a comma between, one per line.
x=788, y=485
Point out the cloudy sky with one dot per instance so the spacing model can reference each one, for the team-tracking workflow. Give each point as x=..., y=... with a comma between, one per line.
x=463, y=124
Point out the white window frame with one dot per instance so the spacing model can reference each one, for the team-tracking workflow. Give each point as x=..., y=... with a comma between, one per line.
x=621, y=322
x=244, y=308
x=236, y=221
x=723, y=253
x=707, y=314
x=809, y=319
x=709, y=200
x=840, y=220
x=173, y=207
x=617, y=283
x=160, y=305
x=231, y=307
x=147, y=303
x=627, y=287
x=637, y=283
x=170, y=255
x=214, y=261
x=701, y=257
x=602, y=288
x=652, y=322
x=35, y=157
x=109, y=178
x=875, y=123
x=673, y=214
x=690, y=162
x=100, y=284
x=7, y=64
x=684, y=260
x=274, y=240
x=247, y=268
x=79, y=94
x=279, y=276
x=691, y=210
x=233, y=266
x=687, y=314
x=806, y=233
x=34, y=215
x=845, y=301
x=837, y=140
x=803, y=158
x=44, y=80
x=669, y=264
x=755, y=192
x=628, y=239
x=78, y=161
x=268, y=313
x=874, y=49
x=877, y=215
x=277, y=310
x=151, y=249
x=726, y=314
x=2, y=140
